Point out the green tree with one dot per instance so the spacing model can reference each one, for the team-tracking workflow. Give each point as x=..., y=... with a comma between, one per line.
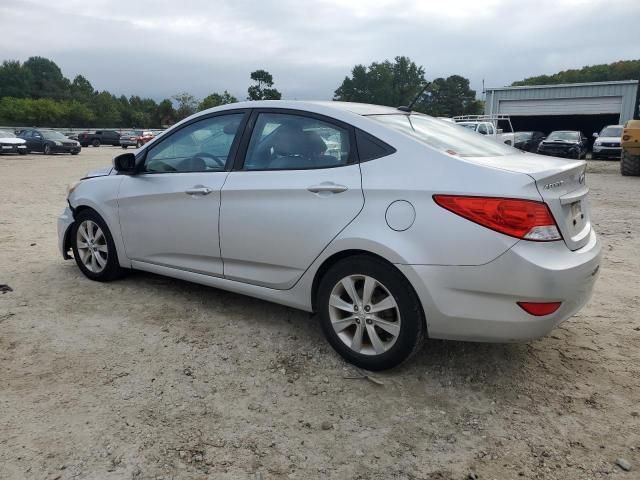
x=447, y=97
x=263, y=88
x=107, y=111
x=187, y=105
x=14, y=79
x=216, y=99
x=383, y=83
x=621, y=70
x=164, y=114
x=82, y=90
x=46, y=79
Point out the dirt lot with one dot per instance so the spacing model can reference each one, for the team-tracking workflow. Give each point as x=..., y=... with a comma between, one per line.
x=149, y=377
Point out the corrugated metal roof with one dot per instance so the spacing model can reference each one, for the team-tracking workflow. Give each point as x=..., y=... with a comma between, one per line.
x=565, y=85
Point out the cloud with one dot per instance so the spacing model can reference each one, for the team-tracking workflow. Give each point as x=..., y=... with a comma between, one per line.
x=158, y=48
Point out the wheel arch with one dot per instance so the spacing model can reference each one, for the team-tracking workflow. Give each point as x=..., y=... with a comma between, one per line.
x=343, y=254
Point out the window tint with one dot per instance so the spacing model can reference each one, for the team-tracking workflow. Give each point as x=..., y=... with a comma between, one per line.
x=482, y=128
x=294, y=142
x=200, y=147
x=370, y=148
x=444, y=136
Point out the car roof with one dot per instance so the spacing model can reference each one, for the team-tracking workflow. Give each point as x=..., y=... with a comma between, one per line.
x=315, y=105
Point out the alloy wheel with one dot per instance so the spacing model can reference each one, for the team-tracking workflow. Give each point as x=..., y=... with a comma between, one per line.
x=364, y=314
x=92, y=246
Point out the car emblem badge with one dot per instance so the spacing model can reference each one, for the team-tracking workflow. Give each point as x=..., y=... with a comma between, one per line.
x=549, y=186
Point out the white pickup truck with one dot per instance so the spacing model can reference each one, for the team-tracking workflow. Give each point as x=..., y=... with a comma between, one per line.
x=491, y=125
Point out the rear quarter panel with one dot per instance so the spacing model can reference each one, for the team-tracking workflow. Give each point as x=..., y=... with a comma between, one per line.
x=437, y=237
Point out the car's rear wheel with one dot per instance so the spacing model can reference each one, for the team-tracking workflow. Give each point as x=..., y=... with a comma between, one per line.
x=95, y=142
x=93, y=247
x=370, y=313
x=124, y=146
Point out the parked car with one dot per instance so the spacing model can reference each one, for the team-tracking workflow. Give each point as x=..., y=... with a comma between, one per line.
x=99, y=137
x=607, y=143
x=408, y=227
x=528, y=141
x=49, y=142
x=135, y=138
x=71, y=135
x=489, y=125
x=564, y=143
x=10, y=143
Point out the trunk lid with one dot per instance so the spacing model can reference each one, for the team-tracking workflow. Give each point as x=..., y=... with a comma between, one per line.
x=561, y=184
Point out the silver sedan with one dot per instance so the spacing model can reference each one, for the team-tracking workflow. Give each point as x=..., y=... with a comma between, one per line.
x=391, y=225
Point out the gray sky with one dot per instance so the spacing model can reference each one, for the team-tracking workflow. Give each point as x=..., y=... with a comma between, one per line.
x=158, y=48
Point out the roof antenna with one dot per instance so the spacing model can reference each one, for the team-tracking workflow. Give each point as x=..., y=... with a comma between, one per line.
x=415, y=100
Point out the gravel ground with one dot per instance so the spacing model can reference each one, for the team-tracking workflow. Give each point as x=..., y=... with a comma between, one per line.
x=149, y=377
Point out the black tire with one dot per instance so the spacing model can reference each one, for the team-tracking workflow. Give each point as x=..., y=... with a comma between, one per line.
x=95, y=142
x=112, y=269
x=23, y=152
x=47, y=149
x=124, y=146
x=412, y=328
x=84, y=145
x=74, y=153
x=630, y=165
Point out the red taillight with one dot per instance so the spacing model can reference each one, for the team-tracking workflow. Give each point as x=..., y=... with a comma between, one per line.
x=525, y=219
x=539, y=309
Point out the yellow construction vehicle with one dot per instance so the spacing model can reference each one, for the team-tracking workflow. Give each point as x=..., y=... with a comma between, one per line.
x=630, y=161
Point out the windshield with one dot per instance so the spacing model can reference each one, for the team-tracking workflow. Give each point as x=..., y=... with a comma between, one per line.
x=611, y=132
x=6, y=134
x=522, y=136
x=53, y=135
x=567, y=136
x=444, y=136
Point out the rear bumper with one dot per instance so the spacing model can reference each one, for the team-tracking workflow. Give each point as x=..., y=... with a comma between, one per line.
x=478, y=303
x=65, y=220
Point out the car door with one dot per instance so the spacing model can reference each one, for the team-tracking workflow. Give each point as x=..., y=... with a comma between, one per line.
x=169, y=211
x=296, y=186
x=36, y=141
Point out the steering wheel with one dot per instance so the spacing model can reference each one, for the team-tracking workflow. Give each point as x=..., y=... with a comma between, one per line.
x=218, y=160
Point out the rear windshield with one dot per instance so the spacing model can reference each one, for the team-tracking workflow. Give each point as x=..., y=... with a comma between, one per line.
x=611, y=132
x=563, y=136
x=444, y=136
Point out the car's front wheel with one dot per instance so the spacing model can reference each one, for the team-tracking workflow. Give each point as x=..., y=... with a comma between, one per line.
x=370, y=313
x=93, y=247
x=47, y=149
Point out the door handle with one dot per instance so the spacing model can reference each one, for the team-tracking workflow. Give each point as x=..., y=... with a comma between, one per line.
x=327, y=187
x=198, y=191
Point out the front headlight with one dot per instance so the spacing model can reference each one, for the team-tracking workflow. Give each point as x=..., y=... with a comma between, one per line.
x=71, y=187
x=77, y=144
x=57, y=143
x=597, y=143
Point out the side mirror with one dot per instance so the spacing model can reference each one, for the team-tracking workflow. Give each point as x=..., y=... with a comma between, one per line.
x=39, y=137
x=595, y=134
x=125, y=163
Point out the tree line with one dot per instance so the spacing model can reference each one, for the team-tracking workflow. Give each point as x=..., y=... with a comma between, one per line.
x=37, y=93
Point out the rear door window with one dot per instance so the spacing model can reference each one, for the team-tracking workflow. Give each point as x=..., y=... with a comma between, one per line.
x=283, y=141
